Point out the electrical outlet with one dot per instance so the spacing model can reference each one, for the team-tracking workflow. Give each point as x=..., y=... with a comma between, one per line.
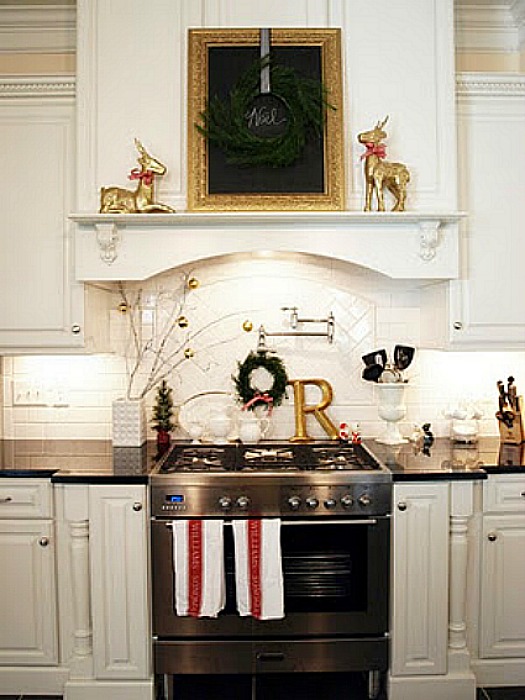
x=27, y=393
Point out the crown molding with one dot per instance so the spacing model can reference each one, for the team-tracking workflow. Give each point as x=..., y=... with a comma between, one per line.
x=490, y=84
x=37, y=28
x=486, y=26
x=38, y=86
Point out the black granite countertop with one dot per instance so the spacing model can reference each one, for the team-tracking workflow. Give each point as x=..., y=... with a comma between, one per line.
x=97, y=461
x=448, y=460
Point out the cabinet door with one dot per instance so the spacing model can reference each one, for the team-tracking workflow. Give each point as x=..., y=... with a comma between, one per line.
x=420, y=579
x=484, y=304
x=503, y=586
x=119, y=581
x=28, y=622
x=41, y=306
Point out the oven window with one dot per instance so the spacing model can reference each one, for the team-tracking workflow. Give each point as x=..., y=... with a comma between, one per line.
x=325, y=568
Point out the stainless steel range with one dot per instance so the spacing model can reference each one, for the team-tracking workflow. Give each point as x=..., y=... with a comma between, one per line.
x=334, y=501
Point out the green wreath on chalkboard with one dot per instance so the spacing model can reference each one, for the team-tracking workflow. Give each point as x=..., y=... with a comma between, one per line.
x=224, y=121
x=250, y=395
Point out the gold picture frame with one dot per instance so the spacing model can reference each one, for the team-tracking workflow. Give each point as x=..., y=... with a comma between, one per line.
x=214, y=185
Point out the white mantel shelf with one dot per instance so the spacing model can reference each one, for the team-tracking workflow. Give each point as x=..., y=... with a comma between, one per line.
x=403, y=245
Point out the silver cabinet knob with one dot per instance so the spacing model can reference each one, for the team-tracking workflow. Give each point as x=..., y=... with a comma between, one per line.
x=458, y=326
x=75, y=328
x=137, y=506
x=402, y=506
x=43, y=541
x=522, y=494
x=243, y=502
x=6, y=499
x=492, y=536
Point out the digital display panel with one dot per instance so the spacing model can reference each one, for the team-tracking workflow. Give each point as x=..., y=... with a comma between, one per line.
x=175, y=498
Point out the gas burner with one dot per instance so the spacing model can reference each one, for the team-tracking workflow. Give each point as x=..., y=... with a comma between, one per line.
x=196, y=460
x=339, y=459
x=266, y=455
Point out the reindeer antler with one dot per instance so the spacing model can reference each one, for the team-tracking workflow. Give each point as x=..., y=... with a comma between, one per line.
x=140, y=147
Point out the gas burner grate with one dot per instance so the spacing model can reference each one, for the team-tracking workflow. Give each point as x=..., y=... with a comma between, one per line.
x=336, y=458
x=198, y=459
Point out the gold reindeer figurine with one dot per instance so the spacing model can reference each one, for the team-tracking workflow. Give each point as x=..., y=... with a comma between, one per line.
x=118, y=200
x=381, y=174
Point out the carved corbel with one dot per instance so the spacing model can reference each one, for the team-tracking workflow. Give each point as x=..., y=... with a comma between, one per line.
x=429, y=239
x=108, y=238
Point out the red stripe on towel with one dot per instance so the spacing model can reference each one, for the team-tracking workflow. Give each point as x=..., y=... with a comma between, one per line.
x=194, y=567
x=254, y=553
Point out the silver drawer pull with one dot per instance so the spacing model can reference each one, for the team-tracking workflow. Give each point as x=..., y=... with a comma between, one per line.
x=137, y=506
x=6, y=499
x=522, y=494
x=43, y=541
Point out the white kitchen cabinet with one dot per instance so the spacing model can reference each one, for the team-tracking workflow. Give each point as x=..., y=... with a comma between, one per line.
x=43, y=308
x=502, y=610
x=484, y=311
x=28, y=608
x=119, y=581
x=419, y=605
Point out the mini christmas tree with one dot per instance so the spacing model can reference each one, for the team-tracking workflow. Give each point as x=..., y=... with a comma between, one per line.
x=163, y=410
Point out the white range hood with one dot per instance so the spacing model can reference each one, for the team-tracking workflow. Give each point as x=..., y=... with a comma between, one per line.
x=401, y=245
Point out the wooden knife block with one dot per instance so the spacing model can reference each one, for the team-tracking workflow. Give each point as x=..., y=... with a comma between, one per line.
x=516, y=434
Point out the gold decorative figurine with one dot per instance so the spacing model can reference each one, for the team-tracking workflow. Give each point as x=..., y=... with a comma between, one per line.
x=381, y=174
x=118, y=200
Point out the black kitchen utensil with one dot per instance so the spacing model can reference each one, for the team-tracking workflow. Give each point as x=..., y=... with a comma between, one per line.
x=403, y=356
x=511, y=393
x=372, y=372
x=378, y=357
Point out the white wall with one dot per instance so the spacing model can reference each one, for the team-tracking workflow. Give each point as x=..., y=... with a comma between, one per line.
x=370, y=312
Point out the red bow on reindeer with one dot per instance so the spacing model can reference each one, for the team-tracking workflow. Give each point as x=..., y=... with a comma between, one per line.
x=374, y=149
x=145, y=175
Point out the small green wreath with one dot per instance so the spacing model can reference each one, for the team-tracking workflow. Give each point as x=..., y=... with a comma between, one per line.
x=250, y=395
x=224, y=121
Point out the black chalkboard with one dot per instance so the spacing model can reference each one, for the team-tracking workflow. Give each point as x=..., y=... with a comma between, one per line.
x=306, y=175
x=217, y=59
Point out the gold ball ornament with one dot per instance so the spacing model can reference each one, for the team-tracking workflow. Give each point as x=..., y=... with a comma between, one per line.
x=247, y=326
x=193, y=283
x=182, y=322
x=188, y=353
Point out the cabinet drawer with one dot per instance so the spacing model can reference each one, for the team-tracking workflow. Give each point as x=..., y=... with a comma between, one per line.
x=26, y=498
x=504, y=494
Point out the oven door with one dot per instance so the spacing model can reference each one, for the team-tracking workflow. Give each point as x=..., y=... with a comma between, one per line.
x=335, y=574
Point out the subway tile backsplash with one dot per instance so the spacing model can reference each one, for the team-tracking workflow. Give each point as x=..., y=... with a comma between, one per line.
x=75, y=392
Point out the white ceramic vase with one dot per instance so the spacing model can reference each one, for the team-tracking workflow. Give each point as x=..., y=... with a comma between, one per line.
x=129, y=423
x=391, y=409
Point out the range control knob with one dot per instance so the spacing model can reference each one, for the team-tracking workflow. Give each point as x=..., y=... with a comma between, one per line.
x=330, y=503
x=312, y=502
x=364, y=500
x=294, y=502
x=243, y=502
x=347, y=500
x=225, y=502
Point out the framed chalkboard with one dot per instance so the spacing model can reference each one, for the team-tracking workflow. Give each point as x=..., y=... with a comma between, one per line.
x=218, y=62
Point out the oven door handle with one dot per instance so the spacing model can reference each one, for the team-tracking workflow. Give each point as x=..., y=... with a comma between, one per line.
x=313, y=521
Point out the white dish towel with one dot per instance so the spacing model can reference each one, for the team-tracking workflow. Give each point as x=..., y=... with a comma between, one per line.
x=258, y=568
x=198, y=563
